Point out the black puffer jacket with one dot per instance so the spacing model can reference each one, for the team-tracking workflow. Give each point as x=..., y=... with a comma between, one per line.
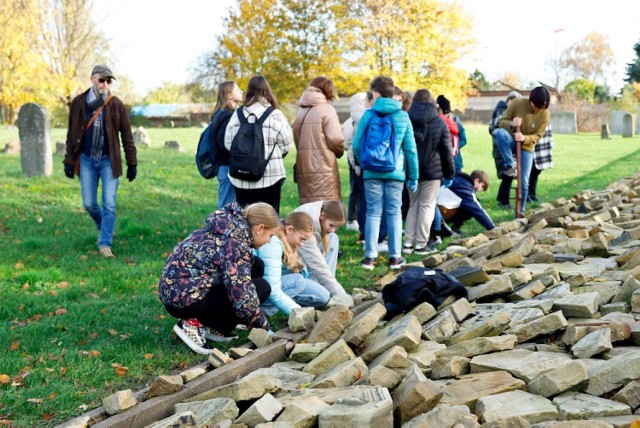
x=433, y=141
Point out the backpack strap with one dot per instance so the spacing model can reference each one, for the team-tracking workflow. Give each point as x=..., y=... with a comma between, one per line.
x=266, y=114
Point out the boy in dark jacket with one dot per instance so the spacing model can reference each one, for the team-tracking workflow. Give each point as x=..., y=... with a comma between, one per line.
x=461, y=204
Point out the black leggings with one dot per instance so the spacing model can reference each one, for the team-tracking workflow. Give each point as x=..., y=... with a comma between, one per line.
x=216, y=310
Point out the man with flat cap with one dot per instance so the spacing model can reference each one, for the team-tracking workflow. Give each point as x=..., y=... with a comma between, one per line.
x=98, y=123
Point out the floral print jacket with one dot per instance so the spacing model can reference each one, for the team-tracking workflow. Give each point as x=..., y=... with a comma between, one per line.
x=217, y=254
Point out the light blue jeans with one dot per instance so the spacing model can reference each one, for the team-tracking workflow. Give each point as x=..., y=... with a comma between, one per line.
x=304, y=291
x=387, y=195
x=91, y=172
x=226, y=192
x=331, y=257
x=507, y=147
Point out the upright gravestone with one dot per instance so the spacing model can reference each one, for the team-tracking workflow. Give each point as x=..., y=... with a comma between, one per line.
x=564, y=122
x=36, y=155
x=605, y=132
x=616, y=122
x=627, y=125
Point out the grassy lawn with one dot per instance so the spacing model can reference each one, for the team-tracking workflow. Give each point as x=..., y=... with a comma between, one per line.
x=76, y=327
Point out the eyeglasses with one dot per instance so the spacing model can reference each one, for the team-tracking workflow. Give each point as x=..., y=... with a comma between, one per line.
x=101, y=80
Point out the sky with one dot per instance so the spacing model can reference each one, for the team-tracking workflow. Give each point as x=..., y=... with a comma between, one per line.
x=159, y=40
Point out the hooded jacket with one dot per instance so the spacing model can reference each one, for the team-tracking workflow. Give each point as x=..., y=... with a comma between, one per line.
x=319, y=142
x=433, y=142
x=219, y=253
x=404, y=135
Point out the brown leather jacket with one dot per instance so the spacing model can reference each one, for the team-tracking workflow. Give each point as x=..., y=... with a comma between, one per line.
x=117, y=125
x=319, y=141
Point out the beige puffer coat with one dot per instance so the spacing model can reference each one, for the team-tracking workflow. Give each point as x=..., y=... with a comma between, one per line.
x=319, y=142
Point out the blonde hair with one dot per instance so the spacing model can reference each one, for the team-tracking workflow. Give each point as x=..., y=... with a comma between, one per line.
x=333, y=211
x=261, y=213
x=223, y=101
x=301, y=222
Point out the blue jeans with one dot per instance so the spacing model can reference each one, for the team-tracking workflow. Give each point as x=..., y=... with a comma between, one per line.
x=507, y=147
x=383, y=195
x=362, y=212
x=226, y=192
x=331, y=256
x=91, y=172
x=304, y=291
x=436, y=226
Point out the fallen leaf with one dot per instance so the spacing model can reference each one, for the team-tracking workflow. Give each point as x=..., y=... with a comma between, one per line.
x=61, y=311
x=63, y=284
x=4, y=378
x=121, y=371
x=148, y=356
x=52, y=396
x=112, y=332
x=25, y=286
x=83, y=257
x=47, y=416
x=15, y=345
x=103, y=310
x=83, y=406
x=35, y=400
x=94, y=335
x=19, y=265
x=6, y=422
x=53, y=292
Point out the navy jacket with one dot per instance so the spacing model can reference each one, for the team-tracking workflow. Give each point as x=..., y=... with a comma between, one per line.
x=463, y=187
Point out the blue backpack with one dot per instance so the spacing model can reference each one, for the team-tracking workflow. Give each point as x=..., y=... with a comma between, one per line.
x=379, y=146
x=207, y=152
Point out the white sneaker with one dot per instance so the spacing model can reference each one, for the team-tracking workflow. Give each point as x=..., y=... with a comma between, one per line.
x=353, y=226
x=407, y=249
x=383, y=247
x=192, y=334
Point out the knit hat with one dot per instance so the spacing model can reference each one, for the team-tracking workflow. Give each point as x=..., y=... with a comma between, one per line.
x=444, y=104
x=513, y=94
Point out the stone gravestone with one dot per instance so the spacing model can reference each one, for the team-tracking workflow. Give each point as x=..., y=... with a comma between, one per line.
x=616, y=121
x=61, y=148
x=605, y=132
x=564, y=122
x=141, y=137
x=627, y=125
x=36, y=156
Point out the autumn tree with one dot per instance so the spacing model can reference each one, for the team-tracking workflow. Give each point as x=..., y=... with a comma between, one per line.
x=70, y=44
x=417, y=43
x=590, y=58
x=21, y=77
x=292, y=41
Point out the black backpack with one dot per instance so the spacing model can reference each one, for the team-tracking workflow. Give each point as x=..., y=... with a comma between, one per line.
x=417, y=285
x=246, y=155
x=207, y=153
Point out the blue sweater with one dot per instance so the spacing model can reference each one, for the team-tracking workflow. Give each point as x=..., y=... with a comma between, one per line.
x=404, y=135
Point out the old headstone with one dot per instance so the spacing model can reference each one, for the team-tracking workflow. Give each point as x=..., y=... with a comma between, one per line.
x=141, y=137
x=36, y=156
x=61, y=148
x=12, y=148
x=605, y=132
x=627, y=125
x=564, y=122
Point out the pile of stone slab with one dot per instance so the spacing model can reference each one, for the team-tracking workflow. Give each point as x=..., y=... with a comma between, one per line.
x=548, y=337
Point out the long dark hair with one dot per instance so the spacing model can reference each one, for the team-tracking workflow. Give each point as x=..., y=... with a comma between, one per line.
x=258, y=89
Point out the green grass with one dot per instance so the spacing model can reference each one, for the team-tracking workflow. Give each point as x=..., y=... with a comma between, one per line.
x=68, y=316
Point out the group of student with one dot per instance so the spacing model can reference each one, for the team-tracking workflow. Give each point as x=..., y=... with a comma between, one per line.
x=245, y=263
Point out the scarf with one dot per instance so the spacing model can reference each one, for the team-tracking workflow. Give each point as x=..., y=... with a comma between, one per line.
x=97, y=130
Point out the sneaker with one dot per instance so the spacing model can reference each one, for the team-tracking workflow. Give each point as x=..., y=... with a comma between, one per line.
x=106, y=252
x=216, y=336
x=425, y=250
x=456, y=233
x=353, y=226
x=407, y=249
x=512, y=172
x=396, y=263
x=192, y=334
x=368, y=263
x=533, y=199
x=383, y=247
x=435, y=241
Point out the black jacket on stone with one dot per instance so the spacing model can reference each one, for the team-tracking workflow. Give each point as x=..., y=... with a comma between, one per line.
x=433, y=142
